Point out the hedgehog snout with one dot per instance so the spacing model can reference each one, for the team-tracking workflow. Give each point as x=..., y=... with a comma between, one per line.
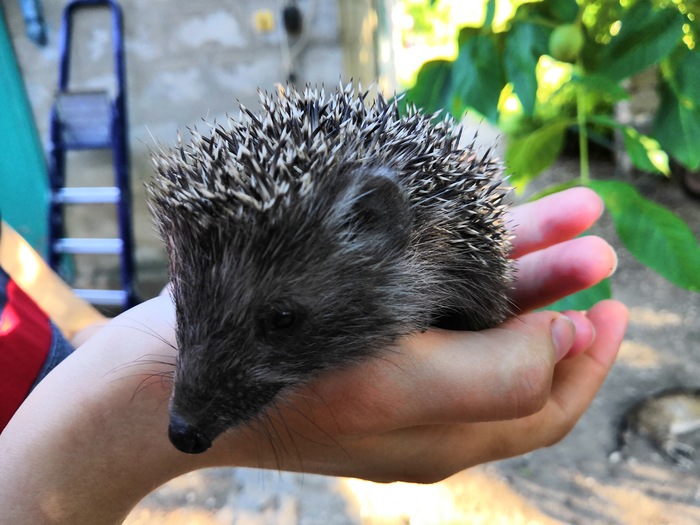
x=187, y=437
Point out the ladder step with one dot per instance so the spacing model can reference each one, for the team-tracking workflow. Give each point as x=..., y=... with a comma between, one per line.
x=89, y=246
x=87, y=195
x=85, y=119
x=102, y=297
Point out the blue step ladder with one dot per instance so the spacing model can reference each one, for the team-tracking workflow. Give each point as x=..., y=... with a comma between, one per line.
x=86, y=120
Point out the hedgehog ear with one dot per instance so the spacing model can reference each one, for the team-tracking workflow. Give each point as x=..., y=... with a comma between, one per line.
x=380, y=210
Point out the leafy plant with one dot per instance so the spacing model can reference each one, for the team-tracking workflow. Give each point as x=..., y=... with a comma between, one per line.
x=593, y=46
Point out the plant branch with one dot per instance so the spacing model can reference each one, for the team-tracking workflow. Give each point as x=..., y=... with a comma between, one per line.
x=582, y=118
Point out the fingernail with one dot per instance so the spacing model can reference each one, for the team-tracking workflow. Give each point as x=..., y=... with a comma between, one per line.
x=563, y=333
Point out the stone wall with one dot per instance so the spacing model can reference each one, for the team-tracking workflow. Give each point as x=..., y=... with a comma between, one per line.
x=186, y=61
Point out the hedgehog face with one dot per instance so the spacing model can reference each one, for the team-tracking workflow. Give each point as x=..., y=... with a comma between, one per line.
x=267, y=308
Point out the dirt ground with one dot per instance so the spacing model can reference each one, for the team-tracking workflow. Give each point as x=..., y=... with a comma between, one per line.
x=572, y=482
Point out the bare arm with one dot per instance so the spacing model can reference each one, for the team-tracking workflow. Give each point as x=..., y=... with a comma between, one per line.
x=91, y=440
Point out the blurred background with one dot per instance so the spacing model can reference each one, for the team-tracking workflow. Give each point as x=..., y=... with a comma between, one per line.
x=528, y=75
x=601, y=93
x=185, y=61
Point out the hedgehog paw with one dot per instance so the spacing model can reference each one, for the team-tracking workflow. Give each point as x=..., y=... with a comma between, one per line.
x=680, y=453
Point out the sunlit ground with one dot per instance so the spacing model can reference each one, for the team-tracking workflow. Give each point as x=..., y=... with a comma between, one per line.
x=250, y=497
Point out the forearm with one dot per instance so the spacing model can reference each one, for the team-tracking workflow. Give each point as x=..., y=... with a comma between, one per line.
x=91, y=440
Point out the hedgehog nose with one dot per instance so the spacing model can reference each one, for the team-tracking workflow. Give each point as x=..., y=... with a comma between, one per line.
x=187, y=438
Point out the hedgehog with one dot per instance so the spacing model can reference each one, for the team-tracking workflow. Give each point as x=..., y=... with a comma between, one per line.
x=316, y=233
x=663, y=418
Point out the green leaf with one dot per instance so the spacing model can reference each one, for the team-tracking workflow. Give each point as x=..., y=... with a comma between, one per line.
x=432, y=88
x=584, y=299
x=682, y=72
x=477, y=76
x=677, y=128
x=556, y=11
x=646, y=36
x=525, y=42
x=645, y=153
x=531, y=154
x=601, y=85
x=466, y=33
x=653, y=234
x=565, y=11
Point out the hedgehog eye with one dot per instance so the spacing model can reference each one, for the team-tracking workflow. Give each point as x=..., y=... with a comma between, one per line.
x=280, y=318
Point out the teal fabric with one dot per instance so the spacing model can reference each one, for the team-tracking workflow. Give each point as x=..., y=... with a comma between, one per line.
x=23, y=172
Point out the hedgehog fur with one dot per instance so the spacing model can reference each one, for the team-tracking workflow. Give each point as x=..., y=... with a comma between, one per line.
x=313, y=234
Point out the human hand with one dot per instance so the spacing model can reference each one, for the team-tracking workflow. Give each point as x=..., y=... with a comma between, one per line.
x=93, y=434
x=445, y=401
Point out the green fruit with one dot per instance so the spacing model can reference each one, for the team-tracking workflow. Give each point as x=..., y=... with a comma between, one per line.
x=566, y=42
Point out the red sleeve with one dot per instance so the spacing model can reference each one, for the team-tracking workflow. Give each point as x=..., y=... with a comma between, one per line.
x=25, y=340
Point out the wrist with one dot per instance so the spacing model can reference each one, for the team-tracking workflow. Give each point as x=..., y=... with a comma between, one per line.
x=93, y=434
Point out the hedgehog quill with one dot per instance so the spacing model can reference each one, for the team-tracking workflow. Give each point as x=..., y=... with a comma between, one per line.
x=314, y=234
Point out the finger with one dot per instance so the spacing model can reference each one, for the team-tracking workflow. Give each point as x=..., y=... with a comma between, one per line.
x=555, y=272
x=441, y=377
x=553, y=219
x=576, y=381
x=575, y=384
x=588, y=371
x=585, y=333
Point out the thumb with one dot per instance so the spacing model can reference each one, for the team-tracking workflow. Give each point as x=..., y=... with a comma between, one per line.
x=442, y=377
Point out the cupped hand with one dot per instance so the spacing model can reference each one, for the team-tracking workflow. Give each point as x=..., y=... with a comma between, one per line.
x=443, y=401
x=91, y=439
